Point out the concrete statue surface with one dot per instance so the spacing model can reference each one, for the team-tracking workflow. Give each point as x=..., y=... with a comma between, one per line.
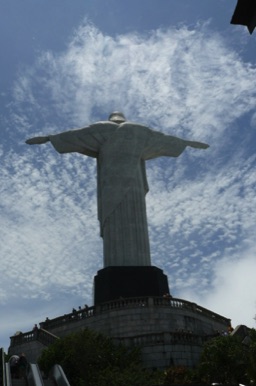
x=121, y=149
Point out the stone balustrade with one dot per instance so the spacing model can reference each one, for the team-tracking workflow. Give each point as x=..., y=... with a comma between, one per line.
x=89, y=312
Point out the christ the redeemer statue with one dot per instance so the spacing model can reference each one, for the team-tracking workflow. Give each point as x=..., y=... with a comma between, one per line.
x=121, y=149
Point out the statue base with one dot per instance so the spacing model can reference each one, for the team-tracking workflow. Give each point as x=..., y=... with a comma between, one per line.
x=112, y=283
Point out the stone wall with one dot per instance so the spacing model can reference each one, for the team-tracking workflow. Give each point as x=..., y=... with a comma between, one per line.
x=32, y=350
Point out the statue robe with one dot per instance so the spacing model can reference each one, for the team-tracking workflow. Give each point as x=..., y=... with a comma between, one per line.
x=121, y=151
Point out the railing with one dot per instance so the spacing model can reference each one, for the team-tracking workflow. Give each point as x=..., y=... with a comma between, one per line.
x=34, y=375
x=59, y=376
x=130, y=303
x=2, y=371
x=73, y=317
x=177, y=337
x=161, y=302
x=180, y=303
x=46, y=337
x=122, y=303
x=7, y=372
x=43, y=336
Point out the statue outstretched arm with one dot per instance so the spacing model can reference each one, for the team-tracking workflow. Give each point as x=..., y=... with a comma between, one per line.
x=85, y=141
x=160, y=145
x=196, y=145
x=37, y=140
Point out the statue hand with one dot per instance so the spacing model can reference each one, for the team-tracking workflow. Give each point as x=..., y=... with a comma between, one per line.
x=197, y=145
x=37, y=140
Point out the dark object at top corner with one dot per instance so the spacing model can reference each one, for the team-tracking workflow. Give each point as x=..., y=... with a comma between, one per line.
x=245, y=14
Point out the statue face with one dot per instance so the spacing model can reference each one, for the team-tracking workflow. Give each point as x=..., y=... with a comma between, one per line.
x=117, y=121
x=117, y=117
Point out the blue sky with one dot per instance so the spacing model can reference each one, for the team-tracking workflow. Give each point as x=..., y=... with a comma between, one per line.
x=176, y=66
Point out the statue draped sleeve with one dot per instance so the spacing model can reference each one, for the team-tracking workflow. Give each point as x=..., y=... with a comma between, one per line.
x=162, y=145
x=86, y=141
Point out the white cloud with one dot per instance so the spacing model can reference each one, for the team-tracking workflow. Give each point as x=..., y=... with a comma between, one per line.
x=232, y=289
x=176, y=77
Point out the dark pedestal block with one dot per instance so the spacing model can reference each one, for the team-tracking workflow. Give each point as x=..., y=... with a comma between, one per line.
x=112, y=283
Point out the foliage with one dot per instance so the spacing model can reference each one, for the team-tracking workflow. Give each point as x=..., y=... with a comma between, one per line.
x=224, y=360
x=91, y=359
x=181, y=375
x=251, y=362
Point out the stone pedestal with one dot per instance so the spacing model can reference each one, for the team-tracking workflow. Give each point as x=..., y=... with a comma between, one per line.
x=113, y=283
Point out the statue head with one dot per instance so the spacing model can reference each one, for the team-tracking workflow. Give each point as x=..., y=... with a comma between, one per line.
x=117, y=117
